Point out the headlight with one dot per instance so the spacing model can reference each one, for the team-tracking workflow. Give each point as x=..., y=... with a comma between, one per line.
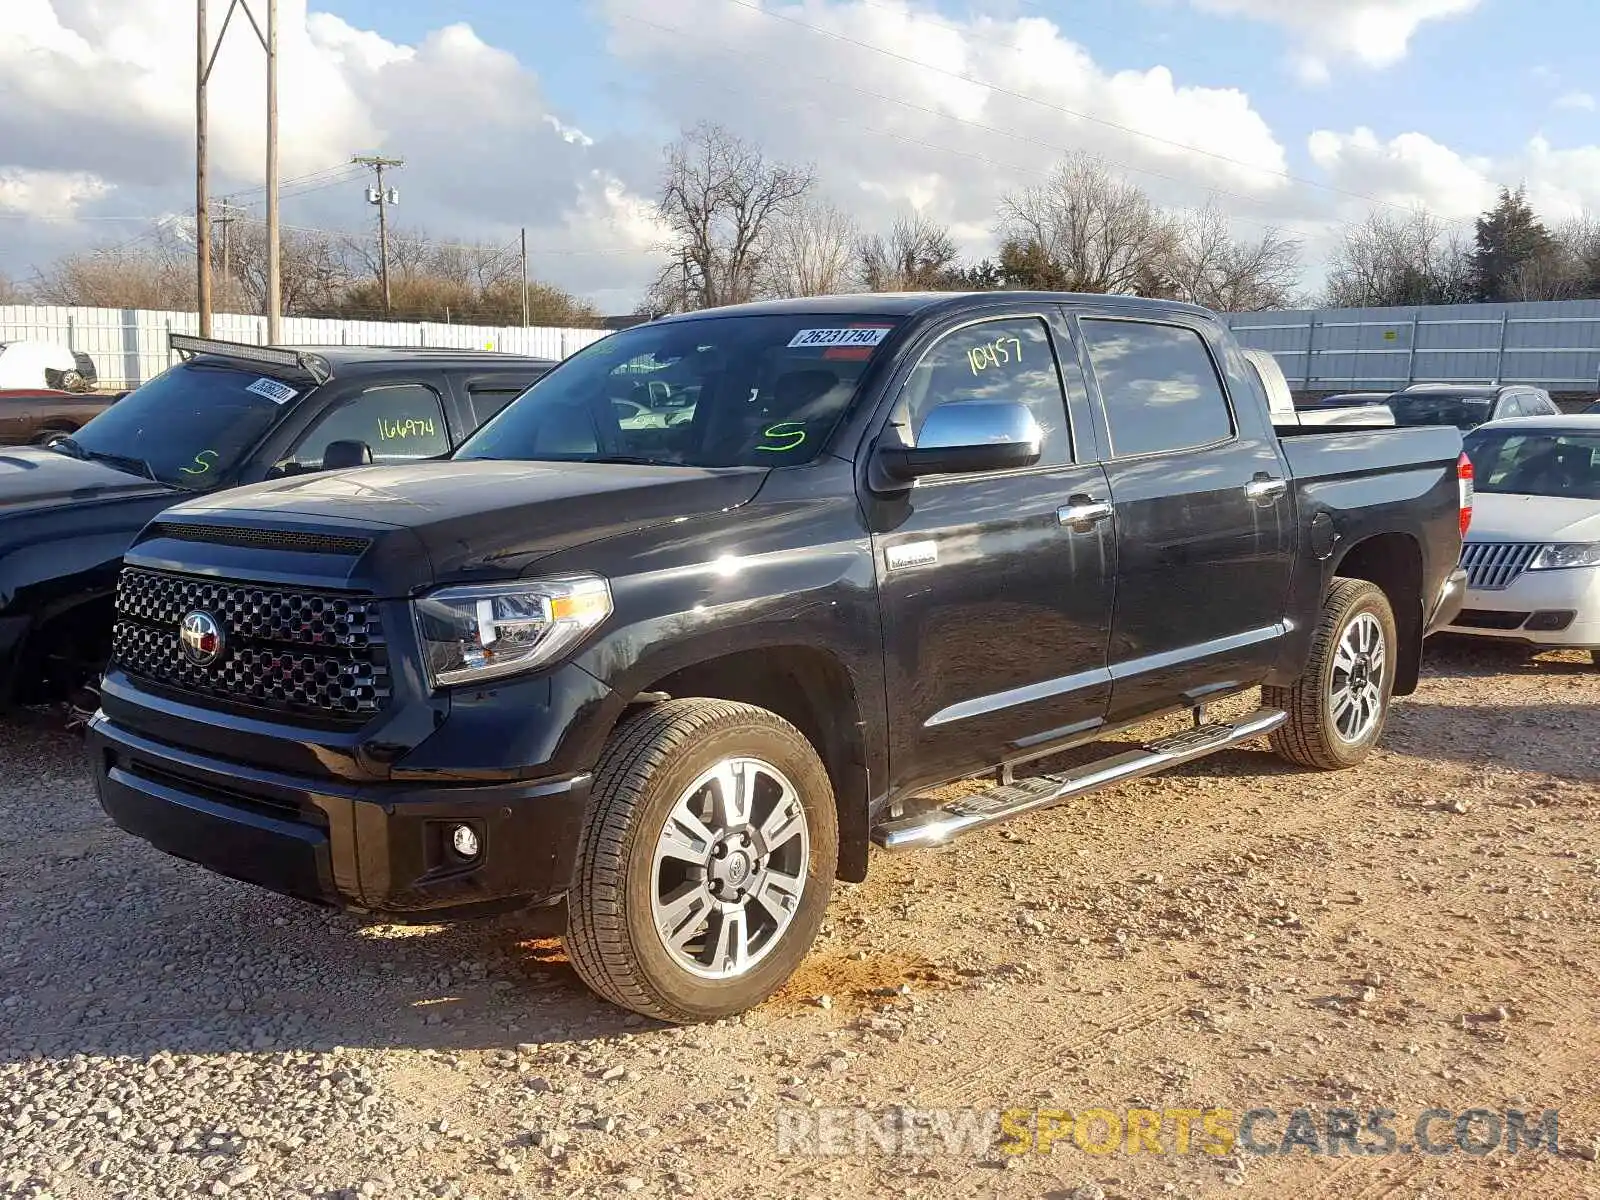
x=1566, y=554
x=485, y=632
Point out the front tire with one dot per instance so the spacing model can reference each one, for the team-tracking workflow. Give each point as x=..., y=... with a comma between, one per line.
x=706, y=861
x=1340, y=704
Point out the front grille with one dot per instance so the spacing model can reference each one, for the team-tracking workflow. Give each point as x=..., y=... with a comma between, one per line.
x=1491, y=566
x=1488, y=618
x=260, y=539
x=308, y=653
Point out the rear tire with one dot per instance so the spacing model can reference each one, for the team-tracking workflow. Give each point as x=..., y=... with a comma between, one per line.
x=1340, y=704
x=691, y=903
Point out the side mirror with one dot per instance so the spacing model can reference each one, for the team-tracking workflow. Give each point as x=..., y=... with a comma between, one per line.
x=966, y=436
x=348, y=453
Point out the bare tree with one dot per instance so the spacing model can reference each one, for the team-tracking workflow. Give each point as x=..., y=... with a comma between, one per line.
x=722, y=199
x=812, y=252
x=918, y=255
x=1213, y=269
x=1087, y=229
x=156, y=271
x=313, y=271
x=10, y=293
x=1388, y=259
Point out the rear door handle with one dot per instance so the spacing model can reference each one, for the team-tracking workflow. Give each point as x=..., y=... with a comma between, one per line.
x=1264, y=490
x=1083, y=513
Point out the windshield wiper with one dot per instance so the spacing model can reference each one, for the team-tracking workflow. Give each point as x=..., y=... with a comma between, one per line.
x=127, y=462
x=631, y=460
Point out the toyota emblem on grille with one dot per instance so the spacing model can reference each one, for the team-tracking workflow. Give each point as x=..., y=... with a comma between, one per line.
x=202, y=638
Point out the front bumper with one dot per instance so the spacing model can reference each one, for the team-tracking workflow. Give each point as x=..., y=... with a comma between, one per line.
x=373, y=848
x=1551, y=609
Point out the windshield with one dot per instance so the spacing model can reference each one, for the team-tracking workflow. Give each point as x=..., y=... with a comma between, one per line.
x=1431, y=408
x=188, y=427
x=1537, y=464
x=715, y=392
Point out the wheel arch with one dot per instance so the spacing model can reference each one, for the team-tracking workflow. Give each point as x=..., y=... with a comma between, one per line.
x=814, y=691
x=1393, y=563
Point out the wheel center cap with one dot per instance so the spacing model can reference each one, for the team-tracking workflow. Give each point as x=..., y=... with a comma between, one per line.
x=738, y=868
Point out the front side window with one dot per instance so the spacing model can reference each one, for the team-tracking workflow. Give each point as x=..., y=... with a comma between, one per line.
x=1536, y=464
x=759, y=390
x=1007, y=359
x=1159, y=387
x=400, y=422
x=190, y=426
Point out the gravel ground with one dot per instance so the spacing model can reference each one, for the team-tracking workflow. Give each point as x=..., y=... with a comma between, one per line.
x=1419, y=932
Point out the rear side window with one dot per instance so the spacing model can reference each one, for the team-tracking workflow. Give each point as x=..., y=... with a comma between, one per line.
x=1159, y=387
x=486, y=402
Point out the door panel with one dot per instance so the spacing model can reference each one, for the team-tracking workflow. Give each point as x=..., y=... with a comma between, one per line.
x=1205, y=532
x=996, y=611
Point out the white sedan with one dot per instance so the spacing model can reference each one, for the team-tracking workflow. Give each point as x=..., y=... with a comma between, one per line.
x=1532, y=553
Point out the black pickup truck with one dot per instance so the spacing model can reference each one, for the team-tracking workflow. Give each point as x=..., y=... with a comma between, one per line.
x=680, y=674
x=229, y=414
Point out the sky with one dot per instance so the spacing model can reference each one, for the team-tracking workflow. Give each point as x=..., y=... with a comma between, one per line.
x=551, y=115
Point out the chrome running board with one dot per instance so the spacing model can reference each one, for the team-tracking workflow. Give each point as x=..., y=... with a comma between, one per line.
x=934, y=826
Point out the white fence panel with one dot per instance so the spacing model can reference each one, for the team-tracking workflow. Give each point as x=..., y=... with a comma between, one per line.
x=129, y=345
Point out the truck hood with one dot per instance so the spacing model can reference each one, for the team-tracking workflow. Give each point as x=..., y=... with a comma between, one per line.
x=481, y=516
x=32, y=479
x=1512, y=517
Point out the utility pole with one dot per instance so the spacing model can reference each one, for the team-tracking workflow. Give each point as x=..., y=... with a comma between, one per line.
x=202, y=202
x=206, y=63
x=382, y=199
x=524, y=276
x=227, y=214
x=274, y=246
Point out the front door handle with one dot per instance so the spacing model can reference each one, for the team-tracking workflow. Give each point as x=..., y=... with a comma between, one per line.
x=1265, y=490
x=1082, y=513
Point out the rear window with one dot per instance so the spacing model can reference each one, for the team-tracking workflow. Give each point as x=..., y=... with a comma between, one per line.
x=1431, y=408
x=709, y=392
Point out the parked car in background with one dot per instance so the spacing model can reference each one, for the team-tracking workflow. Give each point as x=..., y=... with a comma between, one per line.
x=1532, y=555
x=33, y=365
x=36, y=415
x=1265, y=371
x=1466, y=406
x=229, y=415
x=681, y=677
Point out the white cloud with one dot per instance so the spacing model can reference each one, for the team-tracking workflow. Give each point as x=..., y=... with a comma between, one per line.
x=912, y=122
x=1413, y=169
x=1577, y=101
x=99, y=121
x=1373, y=33
x=48, y=195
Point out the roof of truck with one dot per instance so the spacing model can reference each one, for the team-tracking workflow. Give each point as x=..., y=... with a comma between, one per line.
x=905, y=304
x=349, y=356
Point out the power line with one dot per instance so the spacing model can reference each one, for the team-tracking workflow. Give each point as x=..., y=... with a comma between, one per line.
x=940, y=147
x=922, y=64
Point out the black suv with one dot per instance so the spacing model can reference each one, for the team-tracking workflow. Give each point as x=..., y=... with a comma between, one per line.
x=229, y=414
x=1467, y=405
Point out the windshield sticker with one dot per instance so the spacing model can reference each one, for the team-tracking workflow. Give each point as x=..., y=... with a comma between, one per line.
x=411, y=427
x=865, y=335
x=997, y=353
x=791, y=433
x=278, y=393
x=201, y=465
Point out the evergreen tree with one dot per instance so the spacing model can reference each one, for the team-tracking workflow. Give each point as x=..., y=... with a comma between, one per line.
x=1510, y=236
